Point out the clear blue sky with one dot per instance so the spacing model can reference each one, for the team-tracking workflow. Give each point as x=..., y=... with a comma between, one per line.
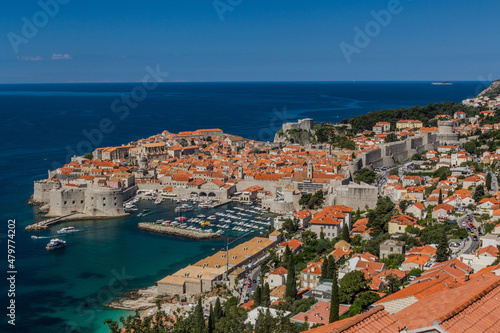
x=114, y=40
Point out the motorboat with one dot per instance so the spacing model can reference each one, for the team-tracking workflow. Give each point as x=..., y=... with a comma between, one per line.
x=55, y=244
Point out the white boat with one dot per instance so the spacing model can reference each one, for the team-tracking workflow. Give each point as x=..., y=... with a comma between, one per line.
x=66, y=230
x=55, y=243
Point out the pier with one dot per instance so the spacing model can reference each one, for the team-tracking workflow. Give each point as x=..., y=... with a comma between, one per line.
x=47, y=223
x=179, y=232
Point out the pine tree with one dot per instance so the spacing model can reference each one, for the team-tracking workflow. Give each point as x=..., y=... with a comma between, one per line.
x=266, y=295
x=218, y=314
x=291, y=283
x=443, y=251
x=345, y=233
x=440, y=198
x=324, y=268
x=335, y=301
x=198, y=319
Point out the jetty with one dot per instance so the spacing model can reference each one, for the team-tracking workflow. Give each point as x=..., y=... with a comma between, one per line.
x=47, y=223
x=179, y=232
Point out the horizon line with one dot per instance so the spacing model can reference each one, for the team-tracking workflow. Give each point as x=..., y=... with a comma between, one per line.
x=255, y=81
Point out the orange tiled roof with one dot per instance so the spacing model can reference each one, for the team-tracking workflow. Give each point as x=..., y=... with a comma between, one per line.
x=373, y=320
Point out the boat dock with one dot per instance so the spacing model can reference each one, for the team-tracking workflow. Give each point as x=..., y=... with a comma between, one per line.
x=221, y=203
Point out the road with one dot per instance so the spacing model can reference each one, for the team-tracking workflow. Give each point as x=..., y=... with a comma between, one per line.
x=470, y=245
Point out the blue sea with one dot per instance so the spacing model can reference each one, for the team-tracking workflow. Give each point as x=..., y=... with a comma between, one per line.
x=43, y=125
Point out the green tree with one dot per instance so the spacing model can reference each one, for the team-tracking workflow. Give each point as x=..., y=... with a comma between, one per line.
x=478, y=194
x=257, y=296
x=365, y=175
x=324, y=268
x=391, y=137
x=362, y=302
x=345, y=233
x=392, y=283
x=331, y=267
x=266, y=295
x=440, y=198
x=394, y=172
x=218, y=314
x=211, y=320
x=380, y=216
x=291, y=283
x=198, y=319
x=488, y=181
x=335, y=299
x=352, y=284
x=403, y=205
x=443, y=250
x=88, y=156
x=348, y=144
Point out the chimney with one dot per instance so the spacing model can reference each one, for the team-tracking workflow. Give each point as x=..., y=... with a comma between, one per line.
x=467, y=276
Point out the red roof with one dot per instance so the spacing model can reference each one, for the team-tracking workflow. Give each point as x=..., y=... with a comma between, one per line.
x=373, y=320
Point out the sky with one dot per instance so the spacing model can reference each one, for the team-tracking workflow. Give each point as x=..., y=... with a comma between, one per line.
x=249, y=40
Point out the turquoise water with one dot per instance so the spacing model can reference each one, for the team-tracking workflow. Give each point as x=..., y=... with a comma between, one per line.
x=63, y=290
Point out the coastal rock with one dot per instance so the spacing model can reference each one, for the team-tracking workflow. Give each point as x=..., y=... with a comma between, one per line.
x=493, y=88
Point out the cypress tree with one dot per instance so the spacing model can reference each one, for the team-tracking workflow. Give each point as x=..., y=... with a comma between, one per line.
x=266, y=295
x=257, y=297
x=286, y=255
x=335, y=301
x=345, y=233
x=324, y=268
x=440, y=198
x=198, y=319
x=331, y=267
x=488, y=181
x=218, y=314
x=211, y=320
x=291, y=283
x=442, y=251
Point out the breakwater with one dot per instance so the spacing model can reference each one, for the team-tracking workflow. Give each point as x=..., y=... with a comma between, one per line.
x=179, y=232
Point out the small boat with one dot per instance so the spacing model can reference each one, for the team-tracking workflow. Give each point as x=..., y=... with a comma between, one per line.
x=182, y=218
x=66, y=230
x=34, y=237
x=211, y=217
x=55, y=243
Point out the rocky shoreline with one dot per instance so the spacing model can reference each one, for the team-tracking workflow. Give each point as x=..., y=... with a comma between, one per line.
x=179, y=232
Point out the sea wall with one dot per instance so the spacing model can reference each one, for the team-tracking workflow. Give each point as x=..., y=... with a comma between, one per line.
x=179, y=232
